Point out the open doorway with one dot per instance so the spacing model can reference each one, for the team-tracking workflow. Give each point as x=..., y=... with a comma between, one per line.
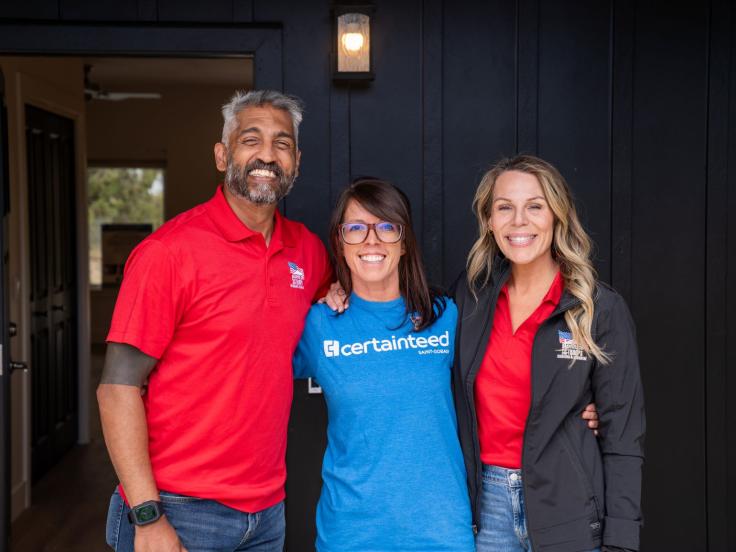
x=143, y=129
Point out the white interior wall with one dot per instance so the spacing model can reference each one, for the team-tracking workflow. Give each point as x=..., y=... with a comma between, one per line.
x=178, y=132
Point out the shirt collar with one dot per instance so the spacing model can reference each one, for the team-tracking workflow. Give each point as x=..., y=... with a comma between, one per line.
x=285, y=229
x=234, y=230
x=555, y=290
x=282, y=233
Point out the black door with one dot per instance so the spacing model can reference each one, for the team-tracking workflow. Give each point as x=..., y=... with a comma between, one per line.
x=4, y=336
x=50, y=151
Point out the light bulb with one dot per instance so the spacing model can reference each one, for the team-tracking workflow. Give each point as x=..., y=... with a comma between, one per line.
x=352, y=42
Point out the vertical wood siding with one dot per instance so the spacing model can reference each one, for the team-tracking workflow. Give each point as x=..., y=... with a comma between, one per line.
x=635, y=102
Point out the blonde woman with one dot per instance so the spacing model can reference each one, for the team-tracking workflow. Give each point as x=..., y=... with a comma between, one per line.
x=538, y=339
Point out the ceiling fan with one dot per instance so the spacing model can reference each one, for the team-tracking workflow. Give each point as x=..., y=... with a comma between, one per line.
x=94, y=91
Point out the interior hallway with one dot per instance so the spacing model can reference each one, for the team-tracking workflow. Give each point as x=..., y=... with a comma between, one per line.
x=69, y=505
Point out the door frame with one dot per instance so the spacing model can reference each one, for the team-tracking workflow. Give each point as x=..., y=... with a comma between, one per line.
x=29, y=90
x=263, y=42
x=4, y=339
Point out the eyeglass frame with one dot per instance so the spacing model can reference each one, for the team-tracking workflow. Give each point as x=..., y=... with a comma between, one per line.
x=371, y=226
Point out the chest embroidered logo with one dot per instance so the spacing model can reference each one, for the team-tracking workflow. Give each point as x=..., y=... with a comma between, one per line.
x=297, y=276
x=570, y=349
x=433, y=344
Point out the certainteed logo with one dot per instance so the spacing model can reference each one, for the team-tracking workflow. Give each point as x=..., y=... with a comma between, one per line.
x=433, y=344
x=332, y=348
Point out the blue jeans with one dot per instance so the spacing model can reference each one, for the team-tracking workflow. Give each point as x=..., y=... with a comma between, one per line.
x=204, y=525
x=502, y=515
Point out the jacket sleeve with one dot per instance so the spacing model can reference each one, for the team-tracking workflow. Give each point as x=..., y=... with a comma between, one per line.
x=454, y=286
x=620, y=401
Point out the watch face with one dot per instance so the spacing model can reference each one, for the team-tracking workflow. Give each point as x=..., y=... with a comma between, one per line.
x=145, y=513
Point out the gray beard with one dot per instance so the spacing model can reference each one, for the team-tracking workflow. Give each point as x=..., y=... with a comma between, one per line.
x=236, y=180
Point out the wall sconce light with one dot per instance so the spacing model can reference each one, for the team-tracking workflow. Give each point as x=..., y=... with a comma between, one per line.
x=353, y=59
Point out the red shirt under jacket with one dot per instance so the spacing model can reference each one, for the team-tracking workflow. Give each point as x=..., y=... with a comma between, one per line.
x=222, y=312
x=503, y=383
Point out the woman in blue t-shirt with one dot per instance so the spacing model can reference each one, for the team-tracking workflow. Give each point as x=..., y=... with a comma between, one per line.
x=393, y=472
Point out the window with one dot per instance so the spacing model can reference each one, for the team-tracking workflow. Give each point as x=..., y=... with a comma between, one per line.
x=121, y=195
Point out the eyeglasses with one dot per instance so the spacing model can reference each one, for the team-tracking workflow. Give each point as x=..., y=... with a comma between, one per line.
x=354, y=233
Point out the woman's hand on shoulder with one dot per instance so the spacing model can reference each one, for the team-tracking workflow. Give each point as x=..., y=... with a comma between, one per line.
x=336, y=298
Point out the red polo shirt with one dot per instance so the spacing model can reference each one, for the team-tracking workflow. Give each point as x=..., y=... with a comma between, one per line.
x=223, y=314
x=503, y=383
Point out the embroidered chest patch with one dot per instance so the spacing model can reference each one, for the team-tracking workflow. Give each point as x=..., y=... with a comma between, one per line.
x=297, y=276
x=569, y=348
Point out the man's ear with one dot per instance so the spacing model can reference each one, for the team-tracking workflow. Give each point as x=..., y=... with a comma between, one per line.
x=221, y=156
x=298, y=160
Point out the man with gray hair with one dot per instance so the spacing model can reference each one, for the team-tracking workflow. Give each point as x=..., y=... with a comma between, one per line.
x=210, y=310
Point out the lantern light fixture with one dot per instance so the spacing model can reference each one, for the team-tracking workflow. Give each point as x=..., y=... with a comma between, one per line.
x=353, y=59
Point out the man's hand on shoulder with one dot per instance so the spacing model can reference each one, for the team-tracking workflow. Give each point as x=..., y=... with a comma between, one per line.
x=158, y=537
x=336, y=298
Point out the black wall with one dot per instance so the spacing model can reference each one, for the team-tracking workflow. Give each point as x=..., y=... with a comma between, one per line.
x=635, y=102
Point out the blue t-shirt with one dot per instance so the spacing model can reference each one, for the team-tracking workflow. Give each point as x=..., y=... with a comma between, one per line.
x=393, y=473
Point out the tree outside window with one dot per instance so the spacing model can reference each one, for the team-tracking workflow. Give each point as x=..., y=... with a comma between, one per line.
x=121, y=195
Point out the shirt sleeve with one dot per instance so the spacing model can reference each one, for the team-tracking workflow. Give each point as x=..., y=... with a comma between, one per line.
x=619, y=399
x=149, y=303
x=306, y=356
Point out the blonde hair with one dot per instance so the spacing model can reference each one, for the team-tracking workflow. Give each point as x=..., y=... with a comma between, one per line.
x=571, y=246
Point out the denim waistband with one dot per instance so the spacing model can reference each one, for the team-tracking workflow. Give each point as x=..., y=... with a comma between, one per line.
x=506, y=476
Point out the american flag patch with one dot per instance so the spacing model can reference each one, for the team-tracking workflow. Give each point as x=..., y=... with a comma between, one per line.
x=565, y=337
x=569, y=349
x=297, y=276
x=294, y=269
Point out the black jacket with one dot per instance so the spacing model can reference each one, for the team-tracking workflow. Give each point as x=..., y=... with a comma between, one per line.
x=580, y=491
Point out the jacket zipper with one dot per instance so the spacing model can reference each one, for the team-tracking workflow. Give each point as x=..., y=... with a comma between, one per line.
x=526, y=428
x=559, y=310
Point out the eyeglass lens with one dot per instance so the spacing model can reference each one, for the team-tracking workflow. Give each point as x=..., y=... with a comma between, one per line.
x=357, y=232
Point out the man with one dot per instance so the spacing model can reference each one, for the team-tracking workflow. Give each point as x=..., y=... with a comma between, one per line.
x=209, y=313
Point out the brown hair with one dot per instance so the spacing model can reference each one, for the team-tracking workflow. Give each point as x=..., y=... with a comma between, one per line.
x=386, y=201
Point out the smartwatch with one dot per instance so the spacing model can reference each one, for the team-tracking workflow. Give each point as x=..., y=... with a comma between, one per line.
x=145, y=513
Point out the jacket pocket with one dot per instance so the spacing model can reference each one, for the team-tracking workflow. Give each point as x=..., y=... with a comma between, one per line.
x=577, y=464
